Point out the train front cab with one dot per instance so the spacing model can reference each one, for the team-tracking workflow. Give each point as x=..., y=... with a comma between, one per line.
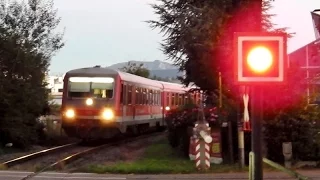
x=89, y=106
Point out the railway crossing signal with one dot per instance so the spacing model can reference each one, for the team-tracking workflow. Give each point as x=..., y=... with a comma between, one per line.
x=260, y=58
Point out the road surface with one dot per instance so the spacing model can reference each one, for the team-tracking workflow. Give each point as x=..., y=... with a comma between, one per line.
x=18, y=175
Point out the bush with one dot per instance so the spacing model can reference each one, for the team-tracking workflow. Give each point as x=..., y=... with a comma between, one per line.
x=299, y=126
x=21, y=134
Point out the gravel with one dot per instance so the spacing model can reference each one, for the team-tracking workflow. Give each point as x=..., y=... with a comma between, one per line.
x=9, y=156
x=41, y=162
x=127, y=153
x=33, y=149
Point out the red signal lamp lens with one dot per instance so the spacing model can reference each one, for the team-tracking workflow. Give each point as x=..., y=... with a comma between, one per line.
x=259, y=59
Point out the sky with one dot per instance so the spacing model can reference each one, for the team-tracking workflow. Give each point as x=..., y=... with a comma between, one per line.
x=105, y=32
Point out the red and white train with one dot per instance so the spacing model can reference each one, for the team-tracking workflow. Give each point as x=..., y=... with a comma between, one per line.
x=102, y=102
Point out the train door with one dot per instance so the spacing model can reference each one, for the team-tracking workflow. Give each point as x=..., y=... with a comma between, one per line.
x=123, y=101
x=134, y=101
x=163, y=105
x=128, y=108
x=151, y=103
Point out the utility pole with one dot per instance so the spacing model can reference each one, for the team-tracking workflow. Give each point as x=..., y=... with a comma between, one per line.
x=241, y=124
x=253, y=47
x=256, y=107
x=230, y=142
x=241, y=152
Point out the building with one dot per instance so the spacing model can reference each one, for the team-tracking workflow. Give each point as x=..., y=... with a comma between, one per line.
x=307, y=59
x=316, y=22
x=55, y=84
x=55, y=87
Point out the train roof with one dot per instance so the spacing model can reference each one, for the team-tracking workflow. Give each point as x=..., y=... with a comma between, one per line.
x=93, y=71
x=103, y=71
x=139, y=80
x=175, y=87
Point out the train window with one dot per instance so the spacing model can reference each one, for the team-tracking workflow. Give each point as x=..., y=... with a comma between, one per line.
x=182, y=99
x=159, y=93
x=168, y=99
x=159, y=102
x=79, y=89
x=129, y=95
x=147, y=96
x=150, y=100
x=144, y=96
x=154, y=97
x=138, y=95
x=141, y=96
x=157, y=97
x=156, y=100
x=187, y=98
x=102, y=90
x=176, y=99
x=172, y=99
x=150, y=97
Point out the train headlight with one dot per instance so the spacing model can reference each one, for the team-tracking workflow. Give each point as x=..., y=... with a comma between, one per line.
x=107, y=114
x=89, y=101
x=70, y=113
x=167, y=108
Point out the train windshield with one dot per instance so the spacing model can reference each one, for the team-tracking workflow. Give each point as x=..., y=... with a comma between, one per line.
x=97, y=87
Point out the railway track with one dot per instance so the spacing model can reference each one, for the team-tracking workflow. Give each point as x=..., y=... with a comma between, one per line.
x=73, y=153
x=35, y=155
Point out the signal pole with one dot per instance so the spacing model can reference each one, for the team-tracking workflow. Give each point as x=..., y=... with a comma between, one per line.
x=256, y=106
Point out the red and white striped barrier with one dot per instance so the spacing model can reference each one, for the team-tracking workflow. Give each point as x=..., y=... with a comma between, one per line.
x=206, y=158
x=201, y=142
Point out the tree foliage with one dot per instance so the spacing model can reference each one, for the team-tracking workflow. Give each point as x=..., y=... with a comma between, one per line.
x=199, y=39
x=135, y=69
x=28, y=40
x=199, y=36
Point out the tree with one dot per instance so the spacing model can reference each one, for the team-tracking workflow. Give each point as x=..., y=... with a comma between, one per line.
x=135, y=69
x=199, y=37
x=28, y=40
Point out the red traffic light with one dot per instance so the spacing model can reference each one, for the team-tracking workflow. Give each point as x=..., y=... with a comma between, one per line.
x=260, y=58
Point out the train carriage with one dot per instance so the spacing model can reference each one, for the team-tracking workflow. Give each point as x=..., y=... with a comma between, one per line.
x=102, y=102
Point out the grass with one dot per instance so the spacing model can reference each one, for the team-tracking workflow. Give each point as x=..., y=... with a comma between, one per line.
x=9, y=150
x=158, y=158
x=3, y=167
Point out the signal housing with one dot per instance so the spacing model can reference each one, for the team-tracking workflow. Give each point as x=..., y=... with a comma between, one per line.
x=276, y=43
